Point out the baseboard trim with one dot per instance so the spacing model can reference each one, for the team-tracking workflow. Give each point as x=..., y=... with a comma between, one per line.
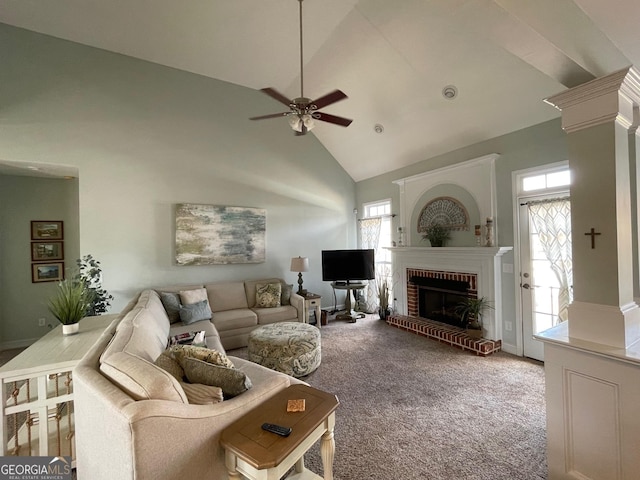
x=17, y=344
x=512, y=349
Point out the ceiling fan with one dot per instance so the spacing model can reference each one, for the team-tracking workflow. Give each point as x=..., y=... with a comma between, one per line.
x=302, y=110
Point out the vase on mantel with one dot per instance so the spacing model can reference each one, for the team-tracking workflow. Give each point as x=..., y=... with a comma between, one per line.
x=70, y=328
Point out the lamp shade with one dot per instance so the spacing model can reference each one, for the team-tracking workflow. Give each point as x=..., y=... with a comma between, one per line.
x=299, y=264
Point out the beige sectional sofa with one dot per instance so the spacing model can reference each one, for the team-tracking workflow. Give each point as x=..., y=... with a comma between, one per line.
x=139, y=425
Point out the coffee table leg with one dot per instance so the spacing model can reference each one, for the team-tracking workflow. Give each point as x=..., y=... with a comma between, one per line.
x=328, y=448
x=230, y=460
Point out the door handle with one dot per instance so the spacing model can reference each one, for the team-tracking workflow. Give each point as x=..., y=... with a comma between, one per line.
x=526, y=285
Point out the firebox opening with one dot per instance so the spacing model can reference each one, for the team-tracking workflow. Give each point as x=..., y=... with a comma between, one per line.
x=438, y=298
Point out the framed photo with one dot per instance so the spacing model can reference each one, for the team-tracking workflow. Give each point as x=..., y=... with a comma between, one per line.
x=46, y=251
x=46, y=230
x=47, y=272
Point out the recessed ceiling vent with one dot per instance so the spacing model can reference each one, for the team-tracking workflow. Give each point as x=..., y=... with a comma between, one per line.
x=450, y=92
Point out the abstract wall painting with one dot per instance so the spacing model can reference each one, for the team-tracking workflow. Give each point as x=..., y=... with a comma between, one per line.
x=218, y=235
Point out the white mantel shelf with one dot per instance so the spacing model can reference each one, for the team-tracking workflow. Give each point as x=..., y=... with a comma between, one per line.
x=481, y=251
x=485, y=262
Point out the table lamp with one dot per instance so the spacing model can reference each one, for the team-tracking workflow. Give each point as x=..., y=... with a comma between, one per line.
x=300, y=264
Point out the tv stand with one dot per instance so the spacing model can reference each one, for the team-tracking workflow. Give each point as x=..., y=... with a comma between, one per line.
x=350, y=314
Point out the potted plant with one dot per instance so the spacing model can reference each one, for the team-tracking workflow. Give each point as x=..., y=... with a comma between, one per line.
x=70, y=304
x=383, y=297
x=470, y=311
x=90, y=274
x=437, y=234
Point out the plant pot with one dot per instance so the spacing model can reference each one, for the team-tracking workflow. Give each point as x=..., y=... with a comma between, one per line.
x=70, y=329
x=384, y=313
x=474, y=332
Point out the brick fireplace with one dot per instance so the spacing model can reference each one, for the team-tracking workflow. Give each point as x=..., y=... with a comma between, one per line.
x=480, y=267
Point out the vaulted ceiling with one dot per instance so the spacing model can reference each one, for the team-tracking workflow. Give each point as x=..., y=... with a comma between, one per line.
x=392, y=58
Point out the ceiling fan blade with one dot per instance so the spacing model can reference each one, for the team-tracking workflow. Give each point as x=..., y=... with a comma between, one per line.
x=272, y=115
x=325, y=117
x=329, y=98
x=276, y=95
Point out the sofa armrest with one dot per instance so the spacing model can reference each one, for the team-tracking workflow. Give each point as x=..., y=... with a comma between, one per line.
x=298, y=302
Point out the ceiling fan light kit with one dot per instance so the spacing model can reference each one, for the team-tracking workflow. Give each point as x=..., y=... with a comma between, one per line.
x=302, y=110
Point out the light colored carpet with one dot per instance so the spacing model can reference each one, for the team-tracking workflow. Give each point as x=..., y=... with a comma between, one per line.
x=413, y=408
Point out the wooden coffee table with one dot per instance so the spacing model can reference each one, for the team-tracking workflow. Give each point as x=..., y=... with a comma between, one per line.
x=262, y=455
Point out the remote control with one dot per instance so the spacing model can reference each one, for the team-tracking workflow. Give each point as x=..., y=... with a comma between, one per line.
x=277, y=429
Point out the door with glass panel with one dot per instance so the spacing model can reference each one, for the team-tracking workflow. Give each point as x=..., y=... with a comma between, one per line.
x=545, y=256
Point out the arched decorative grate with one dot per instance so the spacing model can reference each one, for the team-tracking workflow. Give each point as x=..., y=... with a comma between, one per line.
x=446, y=211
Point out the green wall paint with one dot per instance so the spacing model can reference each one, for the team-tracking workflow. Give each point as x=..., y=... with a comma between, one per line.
x=145, y=137
x=22, y=303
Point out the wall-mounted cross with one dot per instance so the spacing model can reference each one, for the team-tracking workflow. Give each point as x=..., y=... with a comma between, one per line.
x=593, y=234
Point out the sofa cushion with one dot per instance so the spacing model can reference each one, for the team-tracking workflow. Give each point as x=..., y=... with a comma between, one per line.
x=141, y=379
x=212, y=337
x=279, y=314
x=171, y=304
x=195, y=312
x=268, y=295
x=233, y=319
x=180, y=352
x=199, y=394
x=226, y=296
x=232, y=382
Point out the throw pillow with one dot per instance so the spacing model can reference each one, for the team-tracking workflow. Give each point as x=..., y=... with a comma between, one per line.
x=285, y=296
x=232, y=382
x=195, y=312
x=187, y=297
x=208, y=355
x=268, y=295
x=171, y=303
x=167, y=361
x=199, y=394
x=140, y=379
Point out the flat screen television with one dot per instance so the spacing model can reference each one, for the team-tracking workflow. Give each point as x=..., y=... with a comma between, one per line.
x=348, y=265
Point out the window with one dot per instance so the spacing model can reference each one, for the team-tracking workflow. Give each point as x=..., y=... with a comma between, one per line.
x=546, y=181
x=382, y=209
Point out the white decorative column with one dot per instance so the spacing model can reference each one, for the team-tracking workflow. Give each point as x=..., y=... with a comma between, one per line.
x=598, y=117
x=592, y=361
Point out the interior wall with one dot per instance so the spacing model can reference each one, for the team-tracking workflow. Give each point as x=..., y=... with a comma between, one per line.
x=145, y=137
x=22, y=303
x=538, y=145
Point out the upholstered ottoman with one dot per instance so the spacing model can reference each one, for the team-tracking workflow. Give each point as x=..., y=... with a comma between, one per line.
x=288, y=347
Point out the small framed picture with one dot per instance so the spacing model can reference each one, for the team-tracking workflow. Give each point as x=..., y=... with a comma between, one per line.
x=46, y=251
x=46, y=230
x=47, y=272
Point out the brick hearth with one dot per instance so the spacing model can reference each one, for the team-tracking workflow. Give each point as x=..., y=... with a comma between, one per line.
x=448, y=334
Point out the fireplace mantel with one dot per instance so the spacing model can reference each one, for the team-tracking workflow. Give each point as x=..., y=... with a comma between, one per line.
x=485, y=262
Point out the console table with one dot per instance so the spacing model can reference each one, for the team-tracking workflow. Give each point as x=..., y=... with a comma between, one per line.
x=261, y=455
x=37, y=392
x=350, y=314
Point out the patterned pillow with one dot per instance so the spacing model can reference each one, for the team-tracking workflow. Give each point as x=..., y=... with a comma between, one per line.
x=171, y=303
x=285, y=296
x=232, y=382
x=268, y=295
x=195, y=312
x=199, y=394
x=208, y=355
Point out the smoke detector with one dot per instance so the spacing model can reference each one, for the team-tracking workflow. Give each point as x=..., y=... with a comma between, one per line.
x=378, y=128
x=450, y=92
